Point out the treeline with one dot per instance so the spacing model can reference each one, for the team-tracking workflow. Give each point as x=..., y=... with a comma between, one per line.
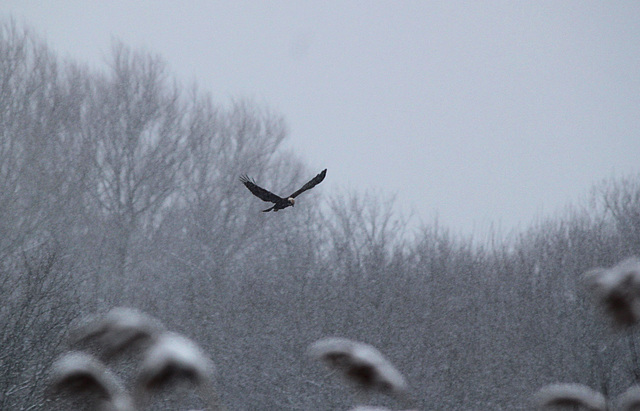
x=119, y=187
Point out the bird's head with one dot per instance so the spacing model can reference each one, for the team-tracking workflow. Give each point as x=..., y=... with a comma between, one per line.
x=291, y=201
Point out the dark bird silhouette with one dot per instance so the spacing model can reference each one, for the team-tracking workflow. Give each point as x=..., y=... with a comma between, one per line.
x=280, y=202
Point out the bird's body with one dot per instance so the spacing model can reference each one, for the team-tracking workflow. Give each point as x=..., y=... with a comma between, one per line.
x=280, y=203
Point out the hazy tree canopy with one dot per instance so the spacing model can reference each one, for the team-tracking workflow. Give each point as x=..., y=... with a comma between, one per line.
x=120, y=186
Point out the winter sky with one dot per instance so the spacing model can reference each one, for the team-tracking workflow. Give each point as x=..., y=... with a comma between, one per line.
x=474, y=112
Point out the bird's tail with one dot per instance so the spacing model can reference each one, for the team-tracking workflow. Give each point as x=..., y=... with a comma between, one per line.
x=269, y=209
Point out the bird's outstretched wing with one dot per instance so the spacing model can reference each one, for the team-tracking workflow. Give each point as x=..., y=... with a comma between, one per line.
x=261, y=193
x=312, y=183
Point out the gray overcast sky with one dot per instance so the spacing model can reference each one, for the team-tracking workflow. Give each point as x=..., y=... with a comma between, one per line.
x=477, y=111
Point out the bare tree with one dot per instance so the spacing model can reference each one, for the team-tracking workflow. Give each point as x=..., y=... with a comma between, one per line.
x=223, y=144
x=133, y=128
x=621, y=201
x=364, y=230
x=30, y=112
x=39, y=299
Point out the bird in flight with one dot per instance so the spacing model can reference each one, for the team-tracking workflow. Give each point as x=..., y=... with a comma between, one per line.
x=280, y=202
